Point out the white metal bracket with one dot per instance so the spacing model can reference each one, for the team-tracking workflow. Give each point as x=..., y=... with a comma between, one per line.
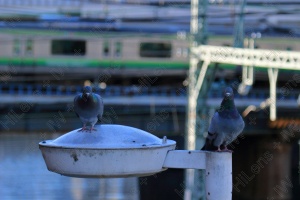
x=201, y=77
x=247, y=80
x=248, y=74
x=217, y=166
x=248, y=70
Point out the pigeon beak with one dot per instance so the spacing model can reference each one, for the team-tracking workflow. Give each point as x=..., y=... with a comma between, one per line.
x=227, y=94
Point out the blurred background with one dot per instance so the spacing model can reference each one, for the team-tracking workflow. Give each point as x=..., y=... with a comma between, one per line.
x=136, y=55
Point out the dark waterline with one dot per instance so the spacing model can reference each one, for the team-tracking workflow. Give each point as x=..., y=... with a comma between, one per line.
x=24, y=175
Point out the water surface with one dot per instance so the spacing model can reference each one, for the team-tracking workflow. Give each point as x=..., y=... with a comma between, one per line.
x=24, y=175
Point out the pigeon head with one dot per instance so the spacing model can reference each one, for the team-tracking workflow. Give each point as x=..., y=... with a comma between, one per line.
x=228, y=93
x=87, y=90
x=227, y=104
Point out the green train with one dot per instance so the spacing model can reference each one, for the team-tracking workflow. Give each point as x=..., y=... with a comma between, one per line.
x=101, y=50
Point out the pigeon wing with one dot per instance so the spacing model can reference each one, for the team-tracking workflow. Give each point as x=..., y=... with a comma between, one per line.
x=214, y=123
x=101, y=108
x=212, y=133
x=76, y=104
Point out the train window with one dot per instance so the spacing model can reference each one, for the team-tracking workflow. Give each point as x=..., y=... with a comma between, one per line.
x=68, y=47
x=226, y=45
x=155, y=49
x=29, y=47
x=178, y=52
x=182, y=52
x=105, y=48
x=17, y=47
x=118, y=49
x=185, y=52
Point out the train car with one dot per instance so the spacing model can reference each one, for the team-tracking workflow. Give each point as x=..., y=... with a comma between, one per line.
x=93, y=51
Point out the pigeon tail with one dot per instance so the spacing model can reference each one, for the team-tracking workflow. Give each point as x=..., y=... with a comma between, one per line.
x=208, y=146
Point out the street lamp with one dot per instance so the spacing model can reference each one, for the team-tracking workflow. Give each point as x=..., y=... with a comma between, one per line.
x=123, y=151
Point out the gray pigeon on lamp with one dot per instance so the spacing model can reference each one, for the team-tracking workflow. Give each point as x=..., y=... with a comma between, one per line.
x=88, y=106
x=225, y=126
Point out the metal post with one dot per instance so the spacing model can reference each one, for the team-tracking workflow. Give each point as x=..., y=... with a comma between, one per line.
x=198, y=36
x=190, y=138
x=239, y=25
x=273, y=74
x=200, y=79
x=248, y=72
x=218, y=176
x=195, y=85
x=299, y=161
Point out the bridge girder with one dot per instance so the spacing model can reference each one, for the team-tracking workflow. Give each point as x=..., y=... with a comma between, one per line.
x=263, y=58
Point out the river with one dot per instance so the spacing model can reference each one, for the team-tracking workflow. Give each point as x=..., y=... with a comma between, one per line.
x=24, y=175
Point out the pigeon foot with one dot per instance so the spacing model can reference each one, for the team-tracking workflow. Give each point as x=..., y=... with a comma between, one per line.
x=92, y=129
x=82, y=129
x=227, y=150
x=223, y=150
x=218, y=150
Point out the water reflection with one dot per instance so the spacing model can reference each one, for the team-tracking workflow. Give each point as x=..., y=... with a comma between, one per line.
x=24, y=175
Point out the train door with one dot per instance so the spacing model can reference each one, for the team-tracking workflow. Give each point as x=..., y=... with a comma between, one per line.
x=17, y=47
x=106, y=49
x=23, y=47
x=29, y=47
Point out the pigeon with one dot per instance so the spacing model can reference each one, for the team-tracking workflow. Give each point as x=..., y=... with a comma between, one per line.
x=88, y=106
x=226, y=124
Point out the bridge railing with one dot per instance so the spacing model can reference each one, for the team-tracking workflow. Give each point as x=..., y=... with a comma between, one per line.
x=164, y=91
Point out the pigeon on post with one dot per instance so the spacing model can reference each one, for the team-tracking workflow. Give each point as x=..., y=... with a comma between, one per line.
x=88, y=106
x=225, y=126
